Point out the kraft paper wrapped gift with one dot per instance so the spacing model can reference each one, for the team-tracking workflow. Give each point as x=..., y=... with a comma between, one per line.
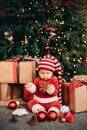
x=75, y=97
x=82, y=78
x=10, y=91
x=12, y=71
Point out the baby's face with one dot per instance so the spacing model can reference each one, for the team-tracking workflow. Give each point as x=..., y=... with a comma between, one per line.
x=45, y=74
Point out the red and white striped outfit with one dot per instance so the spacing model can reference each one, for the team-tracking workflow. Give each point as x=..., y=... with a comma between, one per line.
x=43, y=99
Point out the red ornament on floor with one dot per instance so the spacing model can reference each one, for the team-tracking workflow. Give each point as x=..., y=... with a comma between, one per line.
x=70, y=117
x=62, y=117
x=41, y=116
x=12, y=105
x=52, y=115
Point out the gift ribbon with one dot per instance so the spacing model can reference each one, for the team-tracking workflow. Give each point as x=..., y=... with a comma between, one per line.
x=75, y=85
x=16, y=69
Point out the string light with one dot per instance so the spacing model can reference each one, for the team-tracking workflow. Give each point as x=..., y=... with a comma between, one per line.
x=74, y=72
x=68, y=74
x=59, y=37
x=56, y=20
x=36, y=21
x=74, y=60
x=70, y=28
x=62, y=9
x=37, y=40
x=85, y=42
x=29, y=8
x=74, y=65
x=64, y=42
x=83, y=35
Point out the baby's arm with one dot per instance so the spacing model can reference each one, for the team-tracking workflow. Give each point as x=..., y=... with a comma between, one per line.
x=53, y=87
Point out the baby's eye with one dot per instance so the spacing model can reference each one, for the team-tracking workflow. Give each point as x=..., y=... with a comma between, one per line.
x=42, y=73
x=47, y=73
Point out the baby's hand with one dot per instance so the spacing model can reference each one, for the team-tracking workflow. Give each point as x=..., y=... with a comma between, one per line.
x=50, y=89
x=28, y=86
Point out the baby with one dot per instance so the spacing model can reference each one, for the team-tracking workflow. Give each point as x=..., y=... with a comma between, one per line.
x=46, y=87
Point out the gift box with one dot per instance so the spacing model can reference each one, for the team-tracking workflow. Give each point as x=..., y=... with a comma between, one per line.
x=82, y=78
x=27, y=95
x=14, y=71
x=75, y=96
x=10, y=91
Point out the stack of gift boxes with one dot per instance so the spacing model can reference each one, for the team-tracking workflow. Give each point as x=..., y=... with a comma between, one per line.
x=14, y=73
x=75, y=93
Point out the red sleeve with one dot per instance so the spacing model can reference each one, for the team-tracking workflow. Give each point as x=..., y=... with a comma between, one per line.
x=54, y=81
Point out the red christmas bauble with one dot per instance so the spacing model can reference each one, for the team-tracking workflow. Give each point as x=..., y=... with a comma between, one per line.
x=52, y=115
x=41, y=116
x=46, y=3
x=12, y=105
x=62, y=117
x=47, y=47
x=22, y=10
x=70, y=117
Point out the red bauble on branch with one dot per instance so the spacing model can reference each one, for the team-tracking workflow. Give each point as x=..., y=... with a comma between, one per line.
x=22, y=10
x=47, y=47
x=46, y=3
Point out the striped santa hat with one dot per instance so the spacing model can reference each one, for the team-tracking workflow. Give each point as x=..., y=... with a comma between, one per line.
x=49, y=62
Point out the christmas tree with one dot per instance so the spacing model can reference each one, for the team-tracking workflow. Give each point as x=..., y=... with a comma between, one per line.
x=37, y=27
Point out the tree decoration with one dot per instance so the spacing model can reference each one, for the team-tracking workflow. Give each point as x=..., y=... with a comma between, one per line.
x=20, y=112
x=12, y=105
x=47, y=47
x=8, y=35
x=52, y=34
x=62, y=117
x=49, y=27
x=33, y=120
x=13, y=119
x=46, y=3
x=67, y=117
x=70, y=117
x=22, y=10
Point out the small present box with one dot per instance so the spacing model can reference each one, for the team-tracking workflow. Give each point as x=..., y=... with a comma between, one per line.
x=82, y=78
x=10, y=91
x=75, y=96
x=27, y=95
x=13, y=71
